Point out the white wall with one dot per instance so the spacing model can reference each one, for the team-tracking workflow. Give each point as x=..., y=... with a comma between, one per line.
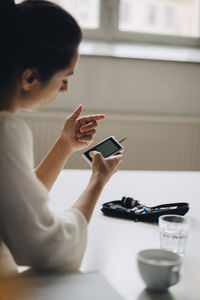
x=156, y=104
x=133, y=87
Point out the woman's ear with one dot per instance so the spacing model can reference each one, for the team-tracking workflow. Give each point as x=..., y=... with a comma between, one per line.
x=29, y=79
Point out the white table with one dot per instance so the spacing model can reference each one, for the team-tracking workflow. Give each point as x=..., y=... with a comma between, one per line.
x=113, y=243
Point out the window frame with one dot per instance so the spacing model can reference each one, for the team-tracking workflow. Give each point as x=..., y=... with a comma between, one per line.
x=108, y=30
x=107, y=15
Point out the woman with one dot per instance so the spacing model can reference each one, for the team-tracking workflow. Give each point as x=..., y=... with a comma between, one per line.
x=39, y=51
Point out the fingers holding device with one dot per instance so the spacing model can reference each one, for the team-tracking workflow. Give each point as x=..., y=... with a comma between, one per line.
x=109, y=146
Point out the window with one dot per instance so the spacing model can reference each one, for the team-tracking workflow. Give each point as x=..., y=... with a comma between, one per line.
x=181, y=16
x=86, y=11
x=147, y=21
x=126, y=16
x=152, y=15
x=169, y=18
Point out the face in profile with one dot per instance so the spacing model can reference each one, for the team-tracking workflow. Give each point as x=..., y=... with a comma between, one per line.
x=39, y=94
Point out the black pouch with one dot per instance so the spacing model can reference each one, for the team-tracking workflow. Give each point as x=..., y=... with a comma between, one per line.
x=129, y=208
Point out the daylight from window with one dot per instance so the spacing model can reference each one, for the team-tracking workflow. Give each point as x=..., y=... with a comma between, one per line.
x=164, y=17
x=86, y=11
x=170, y=17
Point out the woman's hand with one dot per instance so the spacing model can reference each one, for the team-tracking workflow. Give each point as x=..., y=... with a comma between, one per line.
x=78, y=131
x=104, y=168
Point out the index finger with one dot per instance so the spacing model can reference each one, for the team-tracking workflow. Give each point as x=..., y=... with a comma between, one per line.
x=93, y=118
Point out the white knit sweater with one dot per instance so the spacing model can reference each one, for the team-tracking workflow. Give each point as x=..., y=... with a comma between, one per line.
x=30, y=233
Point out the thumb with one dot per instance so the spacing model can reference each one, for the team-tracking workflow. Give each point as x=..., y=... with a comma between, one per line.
x=93, y=153
x=76, y=113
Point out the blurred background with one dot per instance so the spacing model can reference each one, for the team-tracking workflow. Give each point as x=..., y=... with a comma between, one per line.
x=139, y=64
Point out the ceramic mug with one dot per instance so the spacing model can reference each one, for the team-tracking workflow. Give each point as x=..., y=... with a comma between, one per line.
x=159, y=268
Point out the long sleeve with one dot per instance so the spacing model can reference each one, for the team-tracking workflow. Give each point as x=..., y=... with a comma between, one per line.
x=34, y=235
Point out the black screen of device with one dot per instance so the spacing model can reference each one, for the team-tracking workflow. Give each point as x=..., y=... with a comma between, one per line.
x=106, y=148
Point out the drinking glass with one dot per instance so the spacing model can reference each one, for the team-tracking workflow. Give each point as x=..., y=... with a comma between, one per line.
x=174, y=231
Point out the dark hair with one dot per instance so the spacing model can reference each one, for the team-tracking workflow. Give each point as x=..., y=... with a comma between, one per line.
x=36, y=34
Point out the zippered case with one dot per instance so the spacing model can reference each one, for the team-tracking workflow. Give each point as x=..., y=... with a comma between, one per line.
x=129, y=208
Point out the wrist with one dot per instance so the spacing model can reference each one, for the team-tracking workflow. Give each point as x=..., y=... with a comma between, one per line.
x=64, y=145
x=99, y=179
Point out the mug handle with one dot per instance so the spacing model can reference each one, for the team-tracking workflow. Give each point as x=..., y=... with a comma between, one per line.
x=174, y=278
